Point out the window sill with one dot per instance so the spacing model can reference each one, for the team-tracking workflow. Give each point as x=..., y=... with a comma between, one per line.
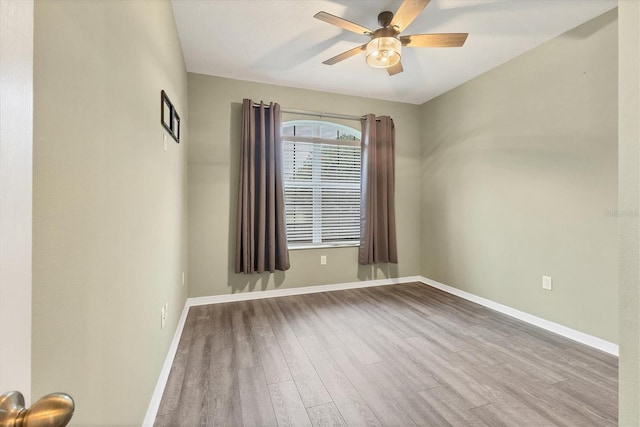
x=297, y=247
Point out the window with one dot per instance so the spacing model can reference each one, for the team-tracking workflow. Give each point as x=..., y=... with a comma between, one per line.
x=321, y=183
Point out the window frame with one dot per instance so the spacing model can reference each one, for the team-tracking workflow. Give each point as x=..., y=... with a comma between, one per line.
x=317, y=141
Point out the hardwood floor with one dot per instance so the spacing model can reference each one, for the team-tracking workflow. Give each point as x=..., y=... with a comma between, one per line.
x=390, y=355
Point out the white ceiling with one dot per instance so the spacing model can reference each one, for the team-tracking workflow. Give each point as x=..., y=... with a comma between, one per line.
x=280, y=42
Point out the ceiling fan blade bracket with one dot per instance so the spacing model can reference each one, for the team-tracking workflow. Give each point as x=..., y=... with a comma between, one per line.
x=407, y=12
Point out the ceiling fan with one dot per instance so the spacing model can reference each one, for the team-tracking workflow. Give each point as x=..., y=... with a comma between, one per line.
x=384, y=50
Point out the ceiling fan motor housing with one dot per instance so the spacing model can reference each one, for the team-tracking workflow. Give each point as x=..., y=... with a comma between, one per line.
x=384, y=18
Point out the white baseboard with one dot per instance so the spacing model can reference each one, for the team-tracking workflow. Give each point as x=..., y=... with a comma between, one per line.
x=245, y=296
x=556, y=328
x=581, y=337
x=154, y=405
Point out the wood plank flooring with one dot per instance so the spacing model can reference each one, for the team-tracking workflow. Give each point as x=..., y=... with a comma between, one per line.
x=391, y=355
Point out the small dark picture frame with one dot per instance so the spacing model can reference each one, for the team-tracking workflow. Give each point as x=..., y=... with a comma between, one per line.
x=176, y=126
x=169, y=117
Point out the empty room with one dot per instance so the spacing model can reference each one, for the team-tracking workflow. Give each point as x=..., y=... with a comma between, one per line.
x=322, y=212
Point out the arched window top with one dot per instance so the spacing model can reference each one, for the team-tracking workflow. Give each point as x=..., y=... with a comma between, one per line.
x=319, y=129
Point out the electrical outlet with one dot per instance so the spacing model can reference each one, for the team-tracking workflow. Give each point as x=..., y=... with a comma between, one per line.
x=323, y=260
x=165, y=145
x=164, y=313
x=183, y=278
x=547, y=283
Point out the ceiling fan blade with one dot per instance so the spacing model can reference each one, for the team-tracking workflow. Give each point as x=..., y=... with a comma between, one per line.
x=396, y=69
x=408, y=11
x=342, y=23
x=344, y=55
x=434, y=40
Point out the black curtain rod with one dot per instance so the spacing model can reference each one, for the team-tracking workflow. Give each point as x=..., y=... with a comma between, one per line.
x=316, y=113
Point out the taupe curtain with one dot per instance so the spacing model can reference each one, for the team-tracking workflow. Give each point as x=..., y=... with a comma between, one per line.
x=261, y=237
x=377, y=212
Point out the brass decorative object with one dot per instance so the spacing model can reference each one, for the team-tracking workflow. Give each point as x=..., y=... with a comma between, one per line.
x=52, y=410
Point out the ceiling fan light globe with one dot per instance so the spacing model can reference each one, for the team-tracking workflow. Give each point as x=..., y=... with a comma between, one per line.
x=383, y=52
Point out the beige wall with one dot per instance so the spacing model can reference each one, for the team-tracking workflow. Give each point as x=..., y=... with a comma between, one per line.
x=215, y=122
x=629, y=190
x=109, y=242
x=519, y=180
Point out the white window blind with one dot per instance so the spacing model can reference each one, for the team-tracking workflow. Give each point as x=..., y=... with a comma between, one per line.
x=321, y=183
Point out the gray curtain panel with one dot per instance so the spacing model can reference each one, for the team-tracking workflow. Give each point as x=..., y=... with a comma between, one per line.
x=377, y=212
x=261, y=235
